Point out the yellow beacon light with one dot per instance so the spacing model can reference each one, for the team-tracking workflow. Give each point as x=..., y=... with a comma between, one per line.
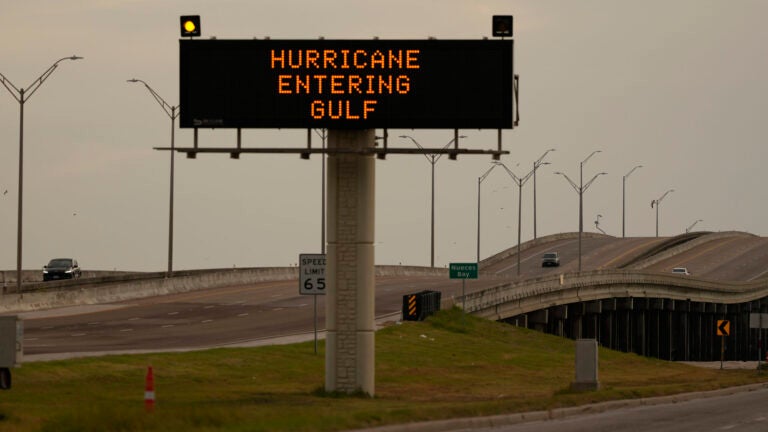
x=190, y=25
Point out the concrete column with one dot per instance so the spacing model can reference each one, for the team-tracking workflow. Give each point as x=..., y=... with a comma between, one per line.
x=349, y=352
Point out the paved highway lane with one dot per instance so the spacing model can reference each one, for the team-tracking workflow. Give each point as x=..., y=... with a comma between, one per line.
x=742, y=412
x=734, y=257
x=213, y=317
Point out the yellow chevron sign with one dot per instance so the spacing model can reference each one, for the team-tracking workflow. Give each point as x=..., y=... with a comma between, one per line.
x=723, y=328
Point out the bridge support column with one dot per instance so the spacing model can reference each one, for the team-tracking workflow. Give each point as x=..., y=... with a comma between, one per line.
x=349, y=353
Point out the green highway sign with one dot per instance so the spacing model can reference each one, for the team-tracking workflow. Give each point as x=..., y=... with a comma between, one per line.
x=462, y=270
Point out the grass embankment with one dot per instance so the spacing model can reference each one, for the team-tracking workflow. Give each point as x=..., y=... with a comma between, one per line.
x=445, y=367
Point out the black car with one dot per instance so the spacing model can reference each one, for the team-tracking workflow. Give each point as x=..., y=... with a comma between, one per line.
x=550, y=259
x=61, y=268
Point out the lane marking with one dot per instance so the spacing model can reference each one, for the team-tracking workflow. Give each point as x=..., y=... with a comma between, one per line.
x=168, y=325
x=46, y=328
x=94, y=323
x=207, y=321
x=209, y=307
x=77, y=334
x=30, y=339
x=134, y=319
x=173, y=313
x=277, y=309
x=243, y=314
x=126, y=330
x=621, y=256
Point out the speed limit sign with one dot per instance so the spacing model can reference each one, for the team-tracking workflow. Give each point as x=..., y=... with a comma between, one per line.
x=312, y=274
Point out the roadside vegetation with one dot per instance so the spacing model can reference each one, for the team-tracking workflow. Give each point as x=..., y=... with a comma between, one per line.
x=448, y=366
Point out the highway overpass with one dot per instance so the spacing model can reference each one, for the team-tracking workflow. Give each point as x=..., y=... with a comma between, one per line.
x=626, y=297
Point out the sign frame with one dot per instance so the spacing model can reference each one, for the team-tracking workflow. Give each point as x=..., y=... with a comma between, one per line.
x=395, y=84
x=723, y=328
x=462, y=271
x=312, y=274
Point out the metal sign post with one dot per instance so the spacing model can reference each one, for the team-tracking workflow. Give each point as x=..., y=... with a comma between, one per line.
x=463, y=271
x=723, y=330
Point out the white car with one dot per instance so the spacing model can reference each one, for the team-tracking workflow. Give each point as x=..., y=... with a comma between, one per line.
x=681, y=271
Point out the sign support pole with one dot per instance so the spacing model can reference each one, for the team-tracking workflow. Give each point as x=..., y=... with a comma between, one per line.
x=722, y=350
x=463, y=301
x=350, y=324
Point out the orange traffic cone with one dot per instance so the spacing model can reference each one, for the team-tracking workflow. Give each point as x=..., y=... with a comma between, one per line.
x=149, y=391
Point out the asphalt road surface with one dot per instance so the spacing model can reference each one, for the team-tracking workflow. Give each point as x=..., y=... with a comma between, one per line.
x=206, y=318
x=740, y=412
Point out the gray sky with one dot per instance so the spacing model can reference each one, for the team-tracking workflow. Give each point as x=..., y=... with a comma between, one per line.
x=677, y=86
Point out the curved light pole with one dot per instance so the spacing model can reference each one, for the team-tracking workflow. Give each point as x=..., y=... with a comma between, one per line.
x=479, y=181
x=432, y=158
x=597, y=223
x=687, y=230
x=536, y=166
x=519, y=182
x=173, y=112
x=22, y=95
x=580, y=190
x=656, y=203
x=623, y=194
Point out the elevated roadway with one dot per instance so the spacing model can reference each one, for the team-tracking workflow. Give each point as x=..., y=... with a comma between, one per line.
x=727, y=269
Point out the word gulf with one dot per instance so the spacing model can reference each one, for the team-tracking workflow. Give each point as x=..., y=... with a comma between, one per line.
x=335, y=73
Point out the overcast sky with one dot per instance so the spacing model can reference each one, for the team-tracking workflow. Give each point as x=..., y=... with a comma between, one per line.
x=679, y=87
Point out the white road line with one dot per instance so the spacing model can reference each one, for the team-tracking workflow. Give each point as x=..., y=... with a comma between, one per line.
x=77, y=334
x=277, y=309
x=94, y=323
x=134, y=319
x=46, y=328
x=173, y=313
x=243, y=314
x=29, y=339
x=206, y=321
x=209, y=307
x=168, y=325
x=126, y=330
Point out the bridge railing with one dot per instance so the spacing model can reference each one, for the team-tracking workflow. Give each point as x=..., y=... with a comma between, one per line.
x=515, y=298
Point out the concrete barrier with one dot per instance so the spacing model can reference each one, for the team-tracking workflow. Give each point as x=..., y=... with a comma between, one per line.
x=110, y=287
x=511, y=299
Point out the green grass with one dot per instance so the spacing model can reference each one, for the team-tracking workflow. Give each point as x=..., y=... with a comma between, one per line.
x=448, y=366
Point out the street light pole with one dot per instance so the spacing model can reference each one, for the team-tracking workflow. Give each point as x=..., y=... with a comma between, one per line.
x=656, y=203
x=623, y=194
x=322, y=136
x=536, y=166
x=519, y=182
x=432, y=158
x=479, y=181
x=173, y=112
x=687, y=230
x=580, y=190
x=22, y=96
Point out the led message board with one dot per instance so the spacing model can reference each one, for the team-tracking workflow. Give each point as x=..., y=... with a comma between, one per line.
x=346, y=84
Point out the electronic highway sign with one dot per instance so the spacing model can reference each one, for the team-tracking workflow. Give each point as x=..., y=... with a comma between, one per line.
x=346, y=84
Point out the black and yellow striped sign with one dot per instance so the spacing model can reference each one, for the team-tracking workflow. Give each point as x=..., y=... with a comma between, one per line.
x=412, y=305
